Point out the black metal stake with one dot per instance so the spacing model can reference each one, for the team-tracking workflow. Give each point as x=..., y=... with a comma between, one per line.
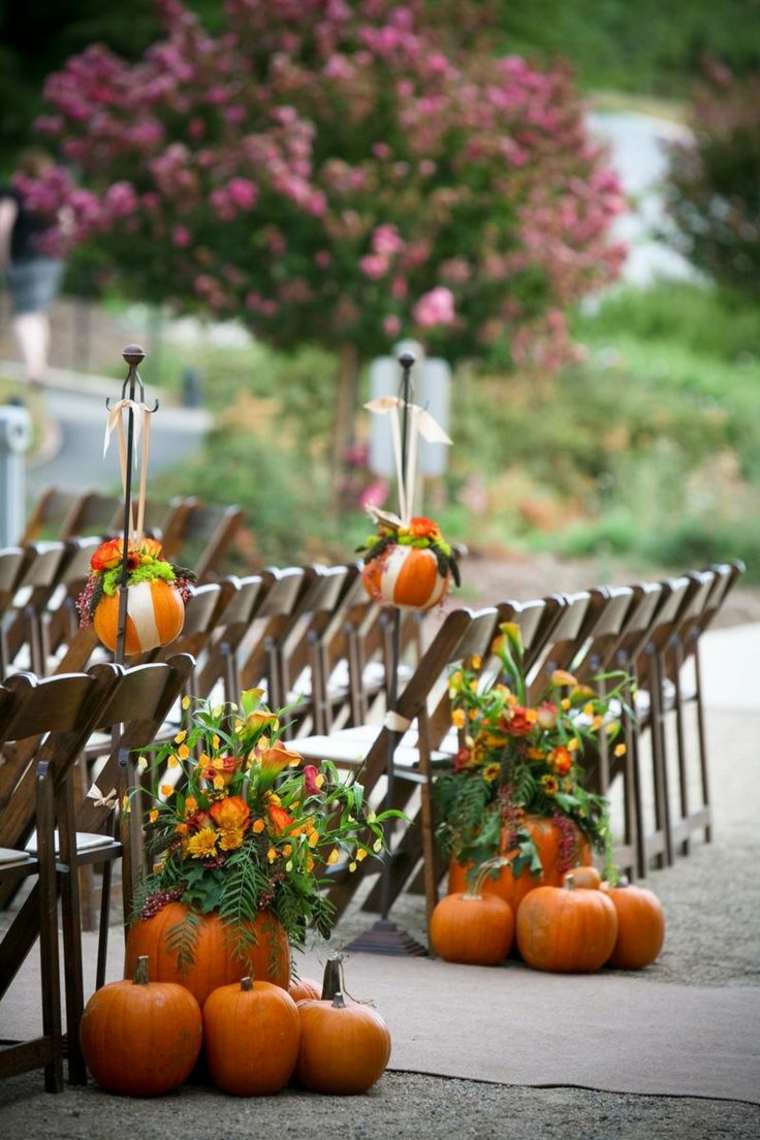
x=385, y=937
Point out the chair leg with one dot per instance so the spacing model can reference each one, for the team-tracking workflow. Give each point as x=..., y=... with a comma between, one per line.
x=655, y=693
x=48, y=899
x=683, y=775
x=428, y=823
x=72, y=938
x=105, y=916
x=631, y=820
x=702, y=739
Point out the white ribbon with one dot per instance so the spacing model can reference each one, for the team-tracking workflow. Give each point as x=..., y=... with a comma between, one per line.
x=421, y=424
x=109, y=801
x=115, y=422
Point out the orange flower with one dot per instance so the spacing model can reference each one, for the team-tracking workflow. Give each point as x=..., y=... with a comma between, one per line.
x=279, y=757
x=421, y=527
x=108, y=556
x=230, y=813
x=150, y=547
x=561, y=760
x=279, y=819
x=521, y=722
x=222, y=768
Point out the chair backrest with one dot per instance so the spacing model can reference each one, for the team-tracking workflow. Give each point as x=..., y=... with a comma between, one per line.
x=54, y=515
x=12, y=560
x=271, y=619
x=535, y=620
x=565, y=639
x=239, y=600
x=316, y=607
x=647, y=599
x=199, y=535
x=726, y=576
x=610, y=607
x=674, y=592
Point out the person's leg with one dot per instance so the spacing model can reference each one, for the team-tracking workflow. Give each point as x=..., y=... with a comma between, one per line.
x=32, y=332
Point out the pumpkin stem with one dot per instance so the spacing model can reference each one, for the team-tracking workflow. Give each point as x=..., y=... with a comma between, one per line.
x=569, y=882
x=246, y=984
x=142, y=971
x=475, y=892
x=339, y=1001
x=332, y=980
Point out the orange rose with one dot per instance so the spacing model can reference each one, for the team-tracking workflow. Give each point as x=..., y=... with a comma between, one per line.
x=279, y=757
x=108, y=556
x=279, y=819
x=230, y=814
x=420, y=527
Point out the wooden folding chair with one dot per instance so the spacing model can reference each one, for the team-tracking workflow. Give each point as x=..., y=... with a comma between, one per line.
x=257, y=650
x=34, y=588
x=12, y=562
x=61, y=710
x=55, y=515
x=199, y=536
x=564, y=641
x=239, y=602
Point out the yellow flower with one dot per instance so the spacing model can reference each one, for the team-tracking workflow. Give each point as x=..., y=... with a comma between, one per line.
x=313, y=839
x=153, y=815
x=166, y=789
x=491, y=772
x=535, y=754
x=172, y=762
x=287, y=849
x=142, y=764
x=309, y=863
x=565, y=703
x=620, y=750
x=472, y=714
x=477, y=662
x=272, y=854
x=612, y=727
x=215, y=742
x=258, y=826
x=377, y=845
x=289, y=865
x=352, y=866
x=204, y=760
x=218, y=782
x=597, y=723
x=588, y=710
x=572, y=744
x=183, y=752
x=550, y=785
x=191, y=805
x=181, y=828
x=232, y=838
x=334, y=856
x=458, y=718
x=361, y=855
x=178, y=739
x=561, y=678
x=185, y=703
x=202, y=844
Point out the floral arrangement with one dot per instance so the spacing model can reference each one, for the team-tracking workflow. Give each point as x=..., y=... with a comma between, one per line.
x=239, y=825
x=519, y=760
x=144, y=563
x=420, y=533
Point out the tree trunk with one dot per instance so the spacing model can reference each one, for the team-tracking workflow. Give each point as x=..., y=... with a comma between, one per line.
x=345, y=407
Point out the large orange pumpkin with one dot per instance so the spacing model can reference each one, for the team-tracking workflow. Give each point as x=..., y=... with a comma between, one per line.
x=474, y=929
x=641, y=926
x=141, y=1038
x=302, y=988
x=155, y=616
x=546, y=834
x=252, y=1031
x=214, y=959
x=566, y=929
x=407, y=577
x=345, y=1047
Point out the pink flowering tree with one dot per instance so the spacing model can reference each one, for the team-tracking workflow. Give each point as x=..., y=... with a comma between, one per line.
x=342, y=174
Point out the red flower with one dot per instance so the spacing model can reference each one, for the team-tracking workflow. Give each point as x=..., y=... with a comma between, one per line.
x=520, y=722
x=462, y=759
x=421, y=527
x=108, y=556
x=198, y=820
x=561, y=760
x=311, y=780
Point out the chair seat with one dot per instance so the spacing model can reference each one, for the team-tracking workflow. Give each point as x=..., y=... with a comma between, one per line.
x=350, y=747
x=10, y=859
x=86, y=841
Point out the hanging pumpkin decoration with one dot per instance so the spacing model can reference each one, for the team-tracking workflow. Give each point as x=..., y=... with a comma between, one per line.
x=566, y=929
x=198, y=952
x=252, y=1031
x=141, y=1037
x=345, y=1046
x=156, y=595
x=471, y=927
x=409, y=565
x=302, y=988
x=550, y=838
x=641, y=926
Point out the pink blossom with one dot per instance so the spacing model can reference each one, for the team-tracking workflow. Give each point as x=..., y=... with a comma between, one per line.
x=242, y=193
x=391, y=325
x=181, y=237
x=120, y=199
x=310, y=779
x=435, y=308
x=386, y=241
x=323, y=258
x=374, y=266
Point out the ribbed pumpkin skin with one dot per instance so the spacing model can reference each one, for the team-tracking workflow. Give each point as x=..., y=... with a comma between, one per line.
x=342, y=1050
x=546, y=835
x=641, y=927
x=566, y=931
x=474, y=930
x=304, y=988
x=215, y=963
x=168, y=616
x=407, y=577
x=141, y=1040
x=252, y=1038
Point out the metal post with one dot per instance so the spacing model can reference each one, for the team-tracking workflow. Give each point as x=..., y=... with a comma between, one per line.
x=15, y=437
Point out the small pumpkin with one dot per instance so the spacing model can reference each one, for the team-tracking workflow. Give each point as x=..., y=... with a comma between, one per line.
x=155, y=616
x=252, y=1032
x=302, y=988
x=546, y=835
x=141, y=1038
x=586, y=877
x=407, y=577
x=641, y=926
x=566, y=929
x=215, y=961
x=345, y=1046
x=471, y=927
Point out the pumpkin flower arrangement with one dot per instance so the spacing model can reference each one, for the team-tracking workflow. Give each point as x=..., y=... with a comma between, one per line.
x=517, y=779
x=241, y=829
x=408, y=564
x=156, y=594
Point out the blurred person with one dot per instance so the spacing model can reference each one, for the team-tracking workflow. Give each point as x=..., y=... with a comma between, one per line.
x=32, y=277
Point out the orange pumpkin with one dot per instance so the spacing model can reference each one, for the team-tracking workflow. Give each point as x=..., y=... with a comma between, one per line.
x=641, y=926
x=155, y=616
x=141, y=1038
x=345, y=1047
x=566, y=929
x=407, y=577
x=586, y=877
x=471, y=927
x=215, y=961
x=302, y=988
x=252, y=1032
x=546, y=834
